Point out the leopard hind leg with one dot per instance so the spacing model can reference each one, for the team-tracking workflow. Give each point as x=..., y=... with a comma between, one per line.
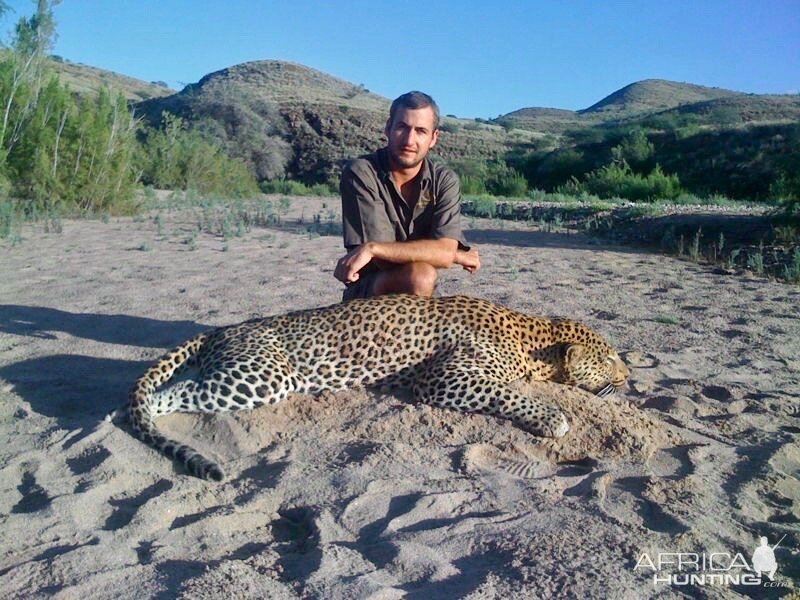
x=240, y=376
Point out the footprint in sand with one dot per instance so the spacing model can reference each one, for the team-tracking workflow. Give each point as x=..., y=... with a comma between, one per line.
x=786, y=465
x=488, y=458
x=717, y=392
x=126, y=508
x=625, y=500
x=34, y=496
x=88, y=460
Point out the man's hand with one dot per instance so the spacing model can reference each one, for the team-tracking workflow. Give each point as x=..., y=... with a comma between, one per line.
x=470, y=260
x=351, y=263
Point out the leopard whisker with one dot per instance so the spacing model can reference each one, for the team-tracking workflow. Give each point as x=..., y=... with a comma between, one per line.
x=606, y=391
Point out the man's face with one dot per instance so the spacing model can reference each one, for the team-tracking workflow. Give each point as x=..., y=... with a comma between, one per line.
x=411, y=135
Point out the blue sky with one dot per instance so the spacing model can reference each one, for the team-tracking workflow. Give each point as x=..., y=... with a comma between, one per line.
x=478, y=59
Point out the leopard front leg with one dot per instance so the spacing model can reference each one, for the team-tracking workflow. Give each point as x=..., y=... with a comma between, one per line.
x=461, y=385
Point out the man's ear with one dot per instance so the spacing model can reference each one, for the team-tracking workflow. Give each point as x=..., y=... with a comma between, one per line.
x=387, y=127
x=574, y=353
x=434, y=138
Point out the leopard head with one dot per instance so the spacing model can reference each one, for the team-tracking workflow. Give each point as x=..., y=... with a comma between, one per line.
x=597, y=370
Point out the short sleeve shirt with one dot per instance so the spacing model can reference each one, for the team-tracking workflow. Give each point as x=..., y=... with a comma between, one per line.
x=374, y=210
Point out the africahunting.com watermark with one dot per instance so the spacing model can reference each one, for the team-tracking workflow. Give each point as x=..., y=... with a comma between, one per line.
x=713, y=568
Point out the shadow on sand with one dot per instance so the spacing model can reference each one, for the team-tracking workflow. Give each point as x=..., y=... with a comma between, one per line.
x=80, y=390
x=42, y=322
x=544, y=239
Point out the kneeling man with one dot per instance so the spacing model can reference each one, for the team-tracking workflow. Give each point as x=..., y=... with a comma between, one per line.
x=401, y=213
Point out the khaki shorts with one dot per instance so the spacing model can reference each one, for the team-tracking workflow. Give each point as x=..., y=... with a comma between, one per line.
x=361, y=288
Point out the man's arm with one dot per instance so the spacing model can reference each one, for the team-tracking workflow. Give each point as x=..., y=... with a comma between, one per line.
x=439, y=253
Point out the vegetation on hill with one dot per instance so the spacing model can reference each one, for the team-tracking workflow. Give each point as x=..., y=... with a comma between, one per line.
x=241, y=118
x=696, y=138
x=178, y=158
x=713, y=141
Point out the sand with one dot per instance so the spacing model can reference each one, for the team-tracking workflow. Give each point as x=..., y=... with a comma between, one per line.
x=364, y=494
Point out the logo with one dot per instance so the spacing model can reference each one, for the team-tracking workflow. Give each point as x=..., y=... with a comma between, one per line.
x=714, y=568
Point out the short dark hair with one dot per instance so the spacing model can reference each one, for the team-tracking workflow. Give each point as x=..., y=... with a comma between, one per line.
x=415, y=100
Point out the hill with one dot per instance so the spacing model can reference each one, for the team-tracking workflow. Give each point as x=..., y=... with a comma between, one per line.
x=84, y=79
x=651, y=95
x=289, y=120
x=658, y=100
x=324, y=119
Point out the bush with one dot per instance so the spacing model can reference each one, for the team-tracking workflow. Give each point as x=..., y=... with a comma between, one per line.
x=8, y=218
x=786, y=191
x=483, y=206
x=495, y=178
x=502, y=180
x=559, y=167
x=618, y=180
x=290, y=187
x=472, y=185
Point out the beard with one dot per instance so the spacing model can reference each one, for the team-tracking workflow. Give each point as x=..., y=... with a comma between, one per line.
x=405, y=161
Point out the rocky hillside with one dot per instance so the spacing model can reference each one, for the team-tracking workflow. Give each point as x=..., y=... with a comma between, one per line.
x=327, y=120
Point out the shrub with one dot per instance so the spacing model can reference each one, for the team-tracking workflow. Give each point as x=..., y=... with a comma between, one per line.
x=558, y=167
x=473, y=185
x=495, y=178
x=502, y=180
x=290, y=187
x=618, y=180
x=786, y=191
x=484, y=206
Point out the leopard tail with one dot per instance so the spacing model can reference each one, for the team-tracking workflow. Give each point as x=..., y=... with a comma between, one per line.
x=143, y=410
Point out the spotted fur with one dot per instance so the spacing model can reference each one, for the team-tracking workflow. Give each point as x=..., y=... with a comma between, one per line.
x=456, y=352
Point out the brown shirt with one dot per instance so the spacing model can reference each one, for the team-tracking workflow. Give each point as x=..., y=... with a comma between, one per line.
x=374, y=210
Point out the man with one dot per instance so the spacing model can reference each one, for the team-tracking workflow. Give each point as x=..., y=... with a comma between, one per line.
x=400, y=212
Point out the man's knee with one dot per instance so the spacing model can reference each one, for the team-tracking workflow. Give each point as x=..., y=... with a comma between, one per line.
x=421, y=278
x=417, y=278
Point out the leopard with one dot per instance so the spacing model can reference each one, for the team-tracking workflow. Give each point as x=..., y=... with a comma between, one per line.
x=456, y=352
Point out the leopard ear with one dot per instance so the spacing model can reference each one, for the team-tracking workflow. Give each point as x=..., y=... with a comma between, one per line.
x=574, y=353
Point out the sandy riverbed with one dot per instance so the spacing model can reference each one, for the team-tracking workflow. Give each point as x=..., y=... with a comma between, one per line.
x=364, y=494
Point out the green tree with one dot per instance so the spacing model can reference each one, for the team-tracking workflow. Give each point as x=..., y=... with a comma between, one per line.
x=177, y=157
x=57, y=150
x=636, y=150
